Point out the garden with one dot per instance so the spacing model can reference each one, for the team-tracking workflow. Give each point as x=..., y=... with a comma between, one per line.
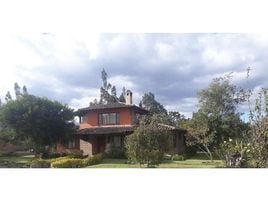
x=100, y=161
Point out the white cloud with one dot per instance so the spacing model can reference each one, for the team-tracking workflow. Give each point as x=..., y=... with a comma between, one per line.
x=122, y=81
x=174, y=67
x=165, y=51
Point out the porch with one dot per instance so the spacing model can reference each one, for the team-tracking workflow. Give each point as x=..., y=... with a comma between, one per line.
x=94, y=144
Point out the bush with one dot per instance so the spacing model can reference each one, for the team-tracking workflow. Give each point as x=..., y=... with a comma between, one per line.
x=58, y=159
x=167, y=157
x=68, y=163
x=92, y=160
x=178, y=158
x=148, y=144
x=115, y=152
x=52, y=155
x=191, y=151
x=75, y=155
x=40, y=164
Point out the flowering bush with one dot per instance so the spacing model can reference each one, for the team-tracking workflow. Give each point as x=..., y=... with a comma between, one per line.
x=235, y=153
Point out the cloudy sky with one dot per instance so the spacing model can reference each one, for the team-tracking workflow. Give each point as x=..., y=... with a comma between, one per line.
x=174, y=67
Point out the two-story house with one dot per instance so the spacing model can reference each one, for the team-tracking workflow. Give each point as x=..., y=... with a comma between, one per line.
x=104, y=125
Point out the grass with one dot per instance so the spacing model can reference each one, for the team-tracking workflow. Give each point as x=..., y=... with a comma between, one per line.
x=199, y=161
x=15, y=161
x=195, y=162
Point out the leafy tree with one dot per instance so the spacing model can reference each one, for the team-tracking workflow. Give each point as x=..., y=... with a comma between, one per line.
x=258, y=137
x=175, y=116
x=149, y=102
x=219, y=102
x=148, y=143
x=43, y=121
x=199, y=133
x=217, y=119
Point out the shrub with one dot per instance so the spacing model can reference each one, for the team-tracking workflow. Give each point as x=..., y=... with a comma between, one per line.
x=75, y=155
x=92, y=160
x=178, y=157
x=148, y=144
x=115, y=152
x=40, y=164
x=190, y=151
x=52, y=155
x=68, y=163
x=58, y=159
x=167, y=157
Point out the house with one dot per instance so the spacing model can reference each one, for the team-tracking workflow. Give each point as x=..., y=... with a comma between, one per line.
x=102, y=126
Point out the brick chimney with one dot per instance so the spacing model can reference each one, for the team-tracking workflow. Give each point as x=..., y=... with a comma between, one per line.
x=128, y=97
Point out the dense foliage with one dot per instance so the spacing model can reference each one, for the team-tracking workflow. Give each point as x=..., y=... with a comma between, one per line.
x=152, y=105
x=218, y=118
x=43, y=121
x=148, y=144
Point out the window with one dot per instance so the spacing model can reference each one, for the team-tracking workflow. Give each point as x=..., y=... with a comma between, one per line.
x=117, y=141
x=70, y=143
x=108, y=118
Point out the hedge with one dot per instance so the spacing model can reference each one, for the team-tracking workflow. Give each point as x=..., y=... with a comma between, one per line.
x=65, y=162
x=68, y=163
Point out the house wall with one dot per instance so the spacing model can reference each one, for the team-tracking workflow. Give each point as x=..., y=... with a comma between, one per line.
x=60, y=148
x=86, y=146
x=180, y=143
x=124, y=119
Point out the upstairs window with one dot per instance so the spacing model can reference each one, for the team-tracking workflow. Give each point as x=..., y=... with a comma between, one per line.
x=108, y=118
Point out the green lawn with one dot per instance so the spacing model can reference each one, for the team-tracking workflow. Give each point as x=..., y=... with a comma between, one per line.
x=199, y=161
x=15, y=161
x=189, y=163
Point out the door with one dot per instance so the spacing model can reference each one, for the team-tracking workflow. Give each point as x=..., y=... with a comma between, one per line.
x=101, y=143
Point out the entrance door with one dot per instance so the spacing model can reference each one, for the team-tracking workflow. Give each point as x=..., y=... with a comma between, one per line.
x=101, y=143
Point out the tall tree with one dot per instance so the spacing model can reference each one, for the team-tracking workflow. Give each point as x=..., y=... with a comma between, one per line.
x=104, y=77
x=8, y=97
x=219, y=102
x=113, y=91
x=17, y=90
x=44, y=121
x=24, y=90
x=107, y=91
x=149, y=102
x=122, y=95
x=258, y=137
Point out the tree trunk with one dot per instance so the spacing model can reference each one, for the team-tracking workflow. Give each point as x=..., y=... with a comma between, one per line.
x=209, y=153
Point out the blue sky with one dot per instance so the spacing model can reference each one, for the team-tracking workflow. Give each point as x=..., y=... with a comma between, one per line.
x=173, y=66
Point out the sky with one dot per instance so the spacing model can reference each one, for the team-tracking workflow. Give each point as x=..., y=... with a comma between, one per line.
x=174, y=67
